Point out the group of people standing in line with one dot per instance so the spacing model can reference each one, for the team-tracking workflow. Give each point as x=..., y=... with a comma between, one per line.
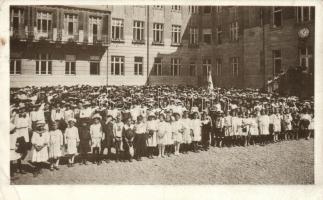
x=54, y=129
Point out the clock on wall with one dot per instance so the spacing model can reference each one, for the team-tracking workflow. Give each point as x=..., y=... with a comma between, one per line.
x=303, y=32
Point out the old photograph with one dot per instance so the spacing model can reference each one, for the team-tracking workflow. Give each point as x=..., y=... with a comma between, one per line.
x=161, y=94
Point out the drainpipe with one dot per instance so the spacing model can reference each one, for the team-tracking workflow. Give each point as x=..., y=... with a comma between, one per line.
x=147, y=80
x=263, y=47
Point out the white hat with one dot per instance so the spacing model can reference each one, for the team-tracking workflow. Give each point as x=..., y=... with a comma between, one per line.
x=40, y=123
x=72, y=120
x=97, y=116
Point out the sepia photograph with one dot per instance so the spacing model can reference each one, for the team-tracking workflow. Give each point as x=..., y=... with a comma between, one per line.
x=161, y=94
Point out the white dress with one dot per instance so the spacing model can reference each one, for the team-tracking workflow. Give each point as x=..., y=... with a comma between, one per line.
x=186, y=123
x=311, y=126
x=42, y=155
x=253, y=130
x=71, y=139
x=152, y=127
x=227, y=125
x=22, y=128
x=196, y=127
x=169, y=134
x=177, y=128
x=263, y=122
x=236, y=124
x=68, y=114
x=287, y=122
x=277, y=123
x=246, y=126
x=55, y=143
x=96, y=135
x=118, y=128
x=161, y=132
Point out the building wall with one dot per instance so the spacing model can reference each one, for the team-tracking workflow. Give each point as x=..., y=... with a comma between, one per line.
x=255, y=30
x=285, y=38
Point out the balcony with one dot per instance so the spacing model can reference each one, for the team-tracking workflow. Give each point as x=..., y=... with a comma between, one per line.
x=18, y=34
x=57, y=36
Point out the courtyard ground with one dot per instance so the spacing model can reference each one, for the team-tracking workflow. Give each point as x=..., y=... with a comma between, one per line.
x=289, y=162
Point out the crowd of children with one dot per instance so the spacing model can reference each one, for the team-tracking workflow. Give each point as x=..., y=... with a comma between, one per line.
x=55, y=124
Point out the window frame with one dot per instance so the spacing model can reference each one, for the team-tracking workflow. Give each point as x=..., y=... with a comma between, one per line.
x=175, y=66
x=193, y=9
x=307, y=56
x=234, y=61
x=138, y=66
x=176, y=8
x=207, y=13
x=158, y=7
x=19, y=14
x=204, y=34
x=218, y=67
x=206, y=66
x=193, y=36
x=192, y=68
x=120, y=60
x=98, y=22
x=219, y=9
x=276, y=58
x=176, y=34
x=48, y=64
x=117, y=27
x=274, y=12
x=234, y=31
x=15, y=71
x=69, y=68
x=98, y=70
x=158, y=66
x=41, y=17
x=158, y=30
x=138, y=26
x=74, y=20
x=300, y=14
x=219, y=32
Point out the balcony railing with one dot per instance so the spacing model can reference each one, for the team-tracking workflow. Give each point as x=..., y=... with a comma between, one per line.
x=19, y=33
x=55, y=35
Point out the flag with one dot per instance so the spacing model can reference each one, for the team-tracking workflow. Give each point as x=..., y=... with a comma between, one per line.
x=209, y=82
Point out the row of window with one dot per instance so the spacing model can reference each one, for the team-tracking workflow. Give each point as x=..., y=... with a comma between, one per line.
x=158, y=33
x=44, y=66
x=44, y=23
x=305, y=57
x=193, y=9
x=304, y=14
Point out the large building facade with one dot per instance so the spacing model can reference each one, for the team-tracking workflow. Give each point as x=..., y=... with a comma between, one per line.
x=158, y=44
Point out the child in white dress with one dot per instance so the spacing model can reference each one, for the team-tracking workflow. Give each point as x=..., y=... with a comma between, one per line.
x=263, y=123
x=72, y=140
x=169, y=135
x=39, y=141
x=227, y=126
x=55, y=146
x=151, y=139
x=161, y=135
x=177, y=129
x=187, y=137
x=253, y=130
x=196, y=129
x=236, y=127
x=96, y=137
